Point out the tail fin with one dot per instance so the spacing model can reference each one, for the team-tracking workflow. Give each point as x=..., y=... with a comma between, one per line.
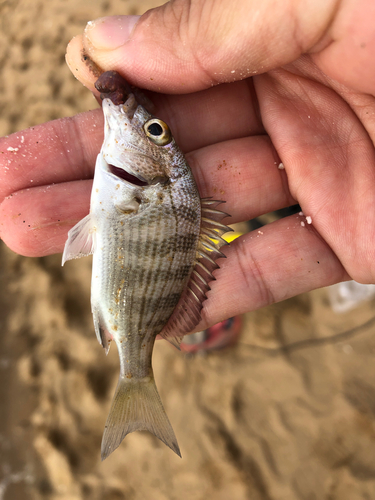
x=136, y=406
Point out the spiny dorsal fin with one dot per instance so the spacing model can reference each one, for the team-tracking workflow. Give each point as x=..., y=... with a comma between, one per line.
x=187, y=313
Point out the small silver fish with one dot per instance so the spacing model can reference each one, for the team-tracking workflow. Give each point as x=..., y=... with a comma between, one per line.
x=154, y=244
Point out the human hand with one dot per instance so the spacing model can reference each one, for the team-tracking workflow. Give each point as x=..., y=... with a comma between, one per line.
x=309, y=103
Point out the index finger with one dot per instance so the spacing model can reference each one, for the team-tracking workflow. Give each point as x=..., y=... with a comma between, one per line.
x=58, y=151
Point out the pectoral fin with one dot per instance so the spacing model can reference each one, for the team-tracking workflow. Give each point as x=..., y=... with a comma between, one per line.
x=81, y=241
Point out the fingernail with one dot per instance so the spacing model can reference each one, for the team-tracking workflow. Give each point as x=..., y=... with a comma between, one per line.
x=109, y=33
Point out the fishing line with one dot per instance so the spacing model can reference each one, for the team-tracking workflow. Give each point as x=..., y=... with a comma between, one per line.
x=307, y=343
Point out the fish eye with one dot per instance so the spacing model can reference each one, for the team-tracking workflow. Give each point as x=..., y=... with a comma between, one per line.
x=158, y=132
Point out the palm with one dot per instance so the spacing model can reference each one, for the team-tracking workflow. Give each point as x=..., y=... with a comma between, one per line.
x=324, y=133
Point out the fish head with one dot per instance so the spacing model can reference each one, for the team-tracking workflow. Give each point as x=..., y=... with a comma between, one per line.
x=139, y=148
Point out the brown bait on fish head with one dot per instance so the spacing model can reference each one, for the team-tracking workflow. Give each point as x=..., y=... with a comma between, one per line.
x=113, y=86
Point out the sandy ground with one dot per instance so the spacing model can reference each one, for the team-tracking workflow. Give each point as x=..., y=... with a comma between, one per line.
x=286, y=414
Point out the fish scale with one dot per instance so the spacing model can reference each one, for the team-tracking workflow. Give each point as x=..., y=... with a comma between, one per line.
x=143, y=300
x=154, y=244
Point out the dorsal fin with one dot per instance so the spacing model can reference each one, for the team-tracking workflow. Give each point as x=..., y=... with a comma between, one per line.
x=187, y=313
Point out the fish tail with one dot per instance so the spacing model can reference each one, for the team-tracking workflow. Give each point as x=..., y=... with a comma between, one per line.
x=136, y=406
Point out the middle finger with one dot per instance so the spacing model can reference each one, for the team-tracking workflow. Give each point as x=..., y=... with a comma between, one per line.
x=243, y=172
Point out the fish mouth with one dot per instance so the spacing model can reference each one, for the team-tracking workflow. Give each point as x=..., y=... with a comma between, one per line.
x=130, y=178
x=136, y=180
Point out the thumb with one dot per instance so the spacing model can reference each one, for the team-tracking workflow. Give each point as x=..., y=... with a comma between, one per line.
x=185, y=46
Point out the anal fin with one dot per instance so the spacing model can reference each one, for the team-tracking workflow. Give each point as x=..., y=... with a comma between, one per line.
x=103, y=336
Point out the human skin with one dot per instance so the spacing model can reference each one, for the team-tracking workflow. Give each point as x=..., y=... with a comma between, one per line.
x=243, y=86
